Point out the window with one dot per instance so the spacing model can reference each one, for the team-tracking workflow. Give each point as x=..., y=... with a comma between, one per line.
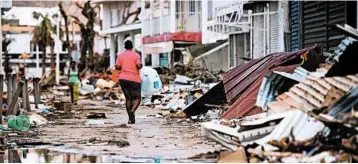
x=191, y=7
x=177, y=8
x=210, y=9
x=114, y=17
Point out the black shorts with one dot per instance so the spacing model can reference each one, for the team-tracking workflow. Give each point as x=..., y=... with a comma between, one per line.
x=131, y=89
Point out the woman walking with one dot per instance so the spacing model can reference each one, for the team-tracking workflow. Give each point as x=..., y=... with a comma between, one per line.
x=74, y=81
x=129, y=64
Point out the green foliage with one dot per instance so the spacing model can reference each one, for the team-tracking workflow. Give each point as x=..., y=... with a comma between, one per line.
x=43, y=33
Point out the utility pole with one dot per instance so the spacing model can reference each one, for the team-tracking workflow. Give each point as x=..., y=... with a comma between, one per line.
x=57, y=45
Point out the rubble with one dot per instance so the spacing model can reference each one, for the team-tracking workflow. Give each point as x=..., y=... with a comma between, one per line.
x=290, y=113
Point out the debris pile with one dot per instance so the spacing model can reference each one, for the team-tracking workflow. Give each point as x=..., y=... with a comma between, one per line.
x=193, y=72
x=291, y=107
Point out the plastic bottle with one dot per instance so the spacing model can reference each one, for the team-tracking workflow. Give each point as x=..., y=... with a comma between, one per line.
x=157, y=160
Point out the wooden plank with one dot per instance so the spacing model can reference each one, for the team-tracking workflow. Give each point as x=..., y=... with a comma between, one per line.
x=12, y=108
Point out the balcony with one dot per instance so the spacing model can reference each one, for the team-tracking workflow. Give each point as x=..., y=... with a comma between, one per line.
x=189, y=22
x=156, y=26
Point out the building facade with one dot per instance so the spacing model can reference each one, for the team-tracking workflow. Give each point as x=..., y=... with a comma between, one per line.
x=253, y=28
x=168, y=26
x=121, y=20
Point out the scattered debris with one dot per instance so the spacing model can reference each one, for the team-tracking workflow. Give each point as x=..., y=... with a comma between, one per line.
x=238, y=156
x=120, y=143
x=93, y=115
x=95, y=122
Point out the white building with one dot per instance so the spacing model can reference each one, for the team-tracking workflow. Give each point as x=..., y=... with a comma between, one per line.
x=168, y=26
x=159, y=29
x=120, y=21
x=253, y=28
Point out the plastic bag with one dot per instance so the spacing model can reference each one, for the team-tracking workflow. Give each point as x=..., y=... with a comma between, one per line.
x=151, y=82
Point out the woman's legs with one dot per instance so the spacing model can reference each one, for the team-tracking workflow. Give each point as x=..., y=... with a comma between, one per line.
x=136, y=97
x=71, y=92
x=126, y=91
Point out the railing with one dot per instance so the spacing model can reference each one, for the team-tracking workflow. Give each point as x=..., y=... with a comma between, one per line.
x=156, y=25
x=225, y=16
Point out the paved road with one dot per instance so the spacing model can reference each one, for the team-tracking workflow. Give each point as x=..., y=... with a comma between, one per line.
x=150, y=136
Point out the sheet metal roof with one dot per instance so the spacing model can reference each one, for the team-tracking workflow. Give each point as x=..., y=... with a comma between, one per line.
x=315, y=93
x=246, y=104
x=240, y=78
x=242, y=84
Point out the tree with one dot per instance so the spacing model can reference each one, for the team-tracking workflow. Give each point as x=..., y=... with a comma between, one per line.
x=87, y=35
x=43, y=37
x=67, y=41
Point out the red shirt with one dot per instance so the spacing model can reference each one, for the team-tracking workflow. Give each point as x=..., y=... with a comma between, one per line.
x=128, y=61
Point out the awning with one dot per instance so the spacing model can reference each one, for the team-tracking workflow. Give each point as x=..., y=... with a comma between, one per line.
x=123, y=28
x=156, y=48
x=212, y=51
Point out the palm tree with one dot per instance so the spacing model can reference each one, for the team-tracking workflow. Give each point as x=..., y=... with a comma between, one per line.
x=43, y=37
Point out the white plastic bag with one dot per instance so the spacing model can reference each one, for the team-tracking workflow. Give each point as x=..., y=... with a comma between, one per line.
x=151, y=82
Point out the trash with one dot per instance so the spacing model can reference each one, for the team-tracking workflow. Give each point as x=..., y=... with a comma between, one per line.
x=45, y=110
x=37, y=120
x=151, y=82
x=93, y=115
x=103, y=84
x=238, y=156
x=183, y=80
x=95, y=122
x=86, y=88
x=120, y=143
x=19, y=123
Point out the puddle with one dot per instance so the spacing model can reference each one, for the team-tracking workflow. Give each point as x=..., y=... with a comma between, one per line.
x=63, y=154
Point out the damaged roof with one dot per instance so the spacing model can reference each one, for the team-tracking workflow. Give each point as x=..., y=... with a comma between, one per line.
x=199, y=49
x=314, y=93
x=242, y=84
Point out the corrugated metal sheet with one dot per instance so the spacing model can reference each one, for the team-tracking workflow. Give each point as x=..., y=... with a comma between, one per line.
x=345, y=104
x=342, y=47
x=347, y=62
x=299, y=74
x=270, y=83
x=274, y=81
x=246, y=104
x=295, y=24
x=240, y=78
x=302, y=126
x=315, y=93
